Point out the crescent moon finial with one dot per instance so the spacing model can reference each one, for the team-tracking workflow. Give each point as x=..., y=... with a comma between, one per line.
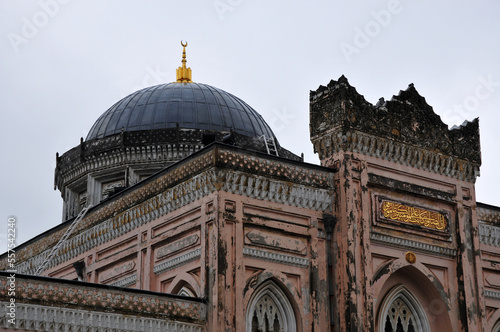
x=183, y=73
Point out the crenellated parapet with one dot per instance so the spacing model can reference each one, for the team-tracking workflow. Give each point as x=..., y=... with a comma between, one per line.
x=404, y=130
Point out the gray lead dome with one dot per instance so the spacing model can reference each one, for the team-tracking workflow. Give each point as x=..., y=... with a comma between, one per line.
x=190, y=105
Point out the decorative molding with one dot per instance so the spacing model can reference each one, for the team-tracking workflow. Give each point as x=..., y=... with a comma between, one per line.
x=159, y=155
x=397, y=152
x=125, y=282
x=117, y=270
x=177, y=261
x=489, y=234
x=487, y=215
x=405, y=243
x=276, y=257
x=267, y=179
x=45, y=318
x=265, y=188
x=102, y=298
x=176, y=246
x=492, y=294
x=193, y=189
x=276, y=168
x=282, y=242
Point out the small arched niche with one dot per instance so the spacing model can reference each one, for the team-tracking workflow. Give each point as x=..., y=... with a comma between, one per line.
x=269, y=310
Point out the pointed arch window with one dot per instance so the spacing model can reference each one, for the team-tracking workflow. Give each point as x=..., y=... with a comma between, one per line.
x=270, y=311
x=401, y=312
x=496, y=328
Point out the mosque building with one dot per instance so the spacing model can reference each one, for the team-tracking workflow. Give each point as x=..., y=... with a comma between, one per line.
x=183, y=212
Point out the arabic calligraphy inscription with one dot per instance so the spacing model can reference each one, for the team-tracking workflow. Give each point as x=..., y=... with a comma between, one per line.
x=413, y=215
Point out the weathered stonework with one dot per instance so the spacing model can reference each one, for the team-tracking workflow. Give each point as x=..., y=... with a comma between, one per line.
x=112, y=220
x=387, y=229
x=404, y=185
x=129, y=157
x=43, y=305
x=276, y=257
x=404, y=130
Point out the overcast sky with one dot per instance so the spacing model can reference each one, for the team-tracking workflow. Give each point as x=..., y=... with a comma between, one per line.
x=64, y=63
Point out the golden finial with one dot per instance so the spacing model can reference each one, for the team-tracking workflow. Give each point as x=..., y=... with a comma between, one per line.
x=183, y=74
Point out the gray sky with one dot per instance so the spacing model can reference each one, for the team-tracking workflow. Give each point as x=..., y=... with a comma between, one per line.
x=65, y=62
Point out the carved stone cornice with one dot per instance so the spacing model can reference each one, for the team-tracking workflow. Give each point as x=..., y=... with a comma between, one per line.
x=59, y=295
x=218, y=169
x=276, y=257
x=489, y=234
x=488, y=215
x=492, y=294
x=392, y=150
x=157, y=148
x=176, y=261
x=158, y=156
x=125, y=282
x=31, y=317
x=411, y=244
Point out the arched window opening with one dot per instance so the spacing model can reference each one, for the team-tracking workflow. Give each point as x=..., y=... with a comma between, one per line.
x=270, y=311
x=401, y=312
x=496, y=328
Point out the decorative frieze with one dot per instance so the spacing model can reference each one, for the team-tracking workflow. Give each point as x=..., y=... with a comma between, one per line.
x=492, y=294
x=276, y=257
x=177, y=261
x=400, y=153
x=276, y=241
x=160, y=155
x=182, y=185
x=47, y=318
x=488, y=215
x=125, y=282
x=177, y=245
x=185, y=193
x=411, y=244
x=97, y=298
x=117, y=270
x=489, y=234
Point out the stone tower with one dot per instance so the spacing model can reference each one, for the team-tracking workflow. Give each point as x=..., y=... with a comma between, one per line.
x=405, y=206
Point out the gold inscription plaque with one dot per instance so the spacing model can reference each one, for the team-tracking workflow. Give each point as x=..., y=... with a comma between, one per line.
x=412, y=215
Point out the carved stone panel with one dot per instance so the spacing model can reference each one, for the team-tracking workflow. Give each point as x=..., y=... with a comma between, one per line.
x=178, y=245
x=276, y=241
x=116, y=271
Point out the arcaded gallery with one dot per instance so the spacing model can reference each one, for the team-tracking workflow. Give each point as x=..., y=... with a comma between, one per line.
x=183, y=212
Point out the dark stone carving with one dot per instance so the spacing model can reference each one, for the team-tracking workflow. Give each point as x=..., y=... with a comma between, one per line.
x=406, y=118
